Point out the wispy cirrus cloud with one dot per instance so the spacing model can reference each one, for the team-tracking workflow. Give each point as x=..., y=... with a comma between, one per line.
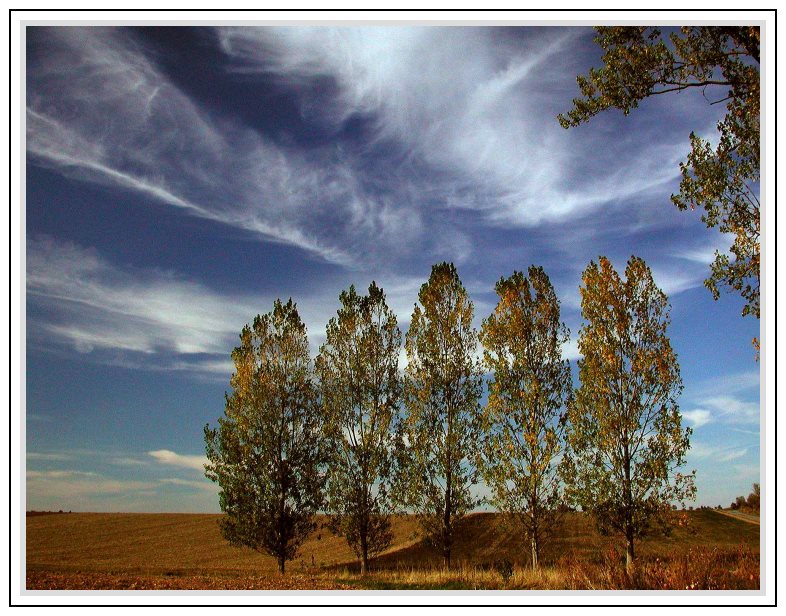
x=165, y=456
x=735, y=454
x=460, y=118
x=47, y=457
x=69, y=484
x=733, y=409
x=137, y=130
x=718, y=453
x=730, y=384
x=723, y=409
x=698, y=417
x=127, y=461
x=101, y=306
x=206, y=485
x=730, y=399
x=78, y=490
x=471, y=103
x=676, y=280
x=158, y=320
x=704, y=253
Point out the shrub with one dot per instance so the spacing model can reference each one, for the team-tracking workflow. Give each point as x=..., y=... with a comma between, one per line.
x=505, y=569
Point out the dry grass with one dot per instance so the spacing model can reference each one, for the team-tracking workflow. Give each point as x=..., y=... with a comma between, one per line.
x=164, y=551
x=696, y=569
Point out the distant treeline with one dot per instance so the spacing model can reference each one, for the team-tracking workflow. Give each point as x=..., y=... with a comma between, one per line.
x=753, y=502
x=32, y=514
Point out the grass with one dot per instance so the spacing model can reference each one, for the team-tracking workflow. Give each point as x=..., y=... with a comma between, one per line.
x=103, y=550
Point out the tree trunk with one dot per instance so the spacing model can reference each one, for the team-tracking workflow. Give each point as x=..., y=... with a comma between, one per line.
x=447, y=536
x=363, y=555
x=629, y=554
x=281, y=564
x=534, y=534
x=534, y=552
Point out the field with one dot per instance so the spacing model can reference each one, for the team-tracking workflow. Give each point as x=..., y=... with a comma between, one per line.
x=186, y=551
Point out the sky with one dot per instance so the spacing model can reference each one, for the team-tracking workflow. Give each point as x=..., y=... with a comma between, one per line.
x=180, y=179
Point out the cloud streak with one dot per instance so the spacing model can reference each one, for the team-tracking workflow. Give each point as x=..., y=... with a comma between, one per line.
x=207, y=486
x=165, y=456
x=157, y=320
x=66, y=485
x=100, y=306
x=730, y=399
x=698, y=417
x=459, y=119
x=469, y=102
x=138, y=131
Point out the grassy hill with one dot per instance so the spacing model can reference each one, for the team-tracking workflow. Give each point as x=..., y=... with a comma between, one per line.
x=181, y=546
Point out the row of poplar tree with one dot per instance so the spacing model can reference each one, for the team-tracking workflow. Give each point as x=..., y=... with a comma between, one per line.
x=350, y=435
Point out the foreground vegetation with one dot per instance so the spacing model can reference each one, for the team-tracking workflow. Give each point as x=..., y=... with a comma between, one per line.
x=186, y=551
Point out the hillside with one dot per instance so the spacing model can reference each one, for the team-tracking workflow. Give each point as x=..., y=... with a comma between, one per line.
x=191, y=545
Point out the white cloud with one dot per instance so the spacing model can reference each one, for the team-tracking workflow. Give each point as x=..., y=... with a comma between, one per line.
x=727, y=400
x=64, y=486
x=469, y=102
x=716, y=453
x=205, y=485
x=58, y=474
x=100, y=111
x=733, y=409
x=729, y=384
x=90, y=491
x=165, y=456
x=735, y=454
x=704, y=253
x=127, y=461
x=570, y=350
x=150, y=314
x=101, y=306
x=698, y=417
x=699, y=449
x=33, y=455
x=672, y=281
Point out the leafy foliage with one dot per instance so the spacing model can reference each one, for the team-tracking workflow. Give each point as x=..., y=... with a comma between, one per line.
x=626, y=439
x=753, y=502
x=524, y=420
x=438, y=435
x=358, y=371
x=754, y=498
x=265, y=453
x=723, y=180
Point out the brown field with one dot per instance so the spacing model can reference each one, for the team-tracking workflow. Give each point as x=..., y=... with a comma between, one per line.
x=186, y=551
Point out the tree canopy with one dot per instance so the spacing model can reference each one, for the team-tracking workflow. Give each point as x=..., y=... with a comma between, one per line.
x=723, y=179
x=439, y=432
x=358, y=372
x=625, y=437
x=524, y=419
x=265, y=453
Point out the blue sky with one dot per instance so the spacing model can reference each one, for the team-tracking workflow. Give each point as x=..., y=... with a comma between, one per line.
x=178, y=180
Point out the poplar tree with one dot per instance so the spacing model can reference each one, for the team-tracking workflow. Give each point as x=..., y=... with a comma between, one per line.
x=265, y=453
x=439, y=433
x=524, y=419
x=720, y=177
x=360, y=384
x=626, y=438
